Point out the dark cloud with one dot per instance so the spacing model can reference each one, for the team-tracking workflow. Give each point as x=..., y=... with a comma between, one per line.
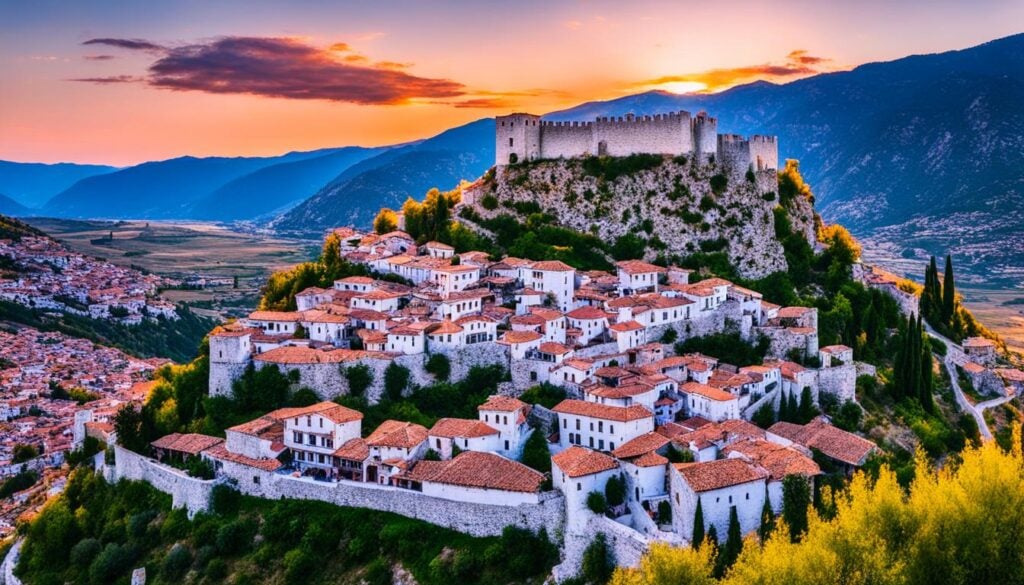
x=131, y=44
x=284, y=68
x=97, y=57
x=109, y=79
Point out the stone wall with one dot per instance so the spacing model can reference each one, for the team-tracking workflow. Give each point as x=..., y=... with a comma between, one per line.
x=566, y=139
x=626, y=544
x=186, y=492
x=223, y=375
x=840, y=381
x=473, y=519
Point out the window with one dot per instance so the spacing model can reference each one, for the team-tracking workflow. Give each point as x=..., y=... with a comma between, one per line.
x=579, y=486
x=600, y=426
x=591, y=442
x=611, y=428
x=730, y=499
x=577, y=424
x=600, y=445
x=510, y=143
x=611, y=447
x=297, y=436
x=256, y=479
x=506, y=445
x=564, y=423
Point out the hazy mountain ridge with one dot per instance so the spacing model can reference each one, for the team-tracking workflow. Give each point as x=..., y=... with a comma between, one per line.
x=33, y=184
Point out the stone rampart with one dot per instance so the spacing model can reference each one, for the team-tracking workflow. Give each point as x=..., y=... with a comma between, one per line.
x=187, y=492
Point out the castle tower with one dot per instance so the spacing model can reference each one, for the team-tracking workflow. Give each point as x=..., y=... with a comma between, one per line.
x=517, y=138
x=230, y=353
x=705, y=136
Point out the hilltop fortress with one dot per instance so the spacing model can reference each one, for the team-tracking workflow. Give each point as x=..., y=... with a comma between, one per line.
x=525, y=137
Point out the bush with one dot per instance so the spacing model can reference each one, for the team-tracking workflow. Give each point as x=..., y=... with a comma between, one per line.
x=628, y=247
x=298, y=566
x=719, y=183
x=235, y=537
x=114, y=560
x=598, y=561
x=225, y=500
x=440, y=366
x=489, y=202
x=596, y=502
x=536, y=453
x=615, y=490
x=664, y=512
x=84, y=552
x=359, y=378
x=544, y=394
x=669, y=336
x=396, y=380
x=176, y=563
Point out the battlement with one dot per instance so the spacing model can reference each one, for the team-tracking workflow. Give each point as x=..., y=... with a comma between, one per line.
x=523, y=137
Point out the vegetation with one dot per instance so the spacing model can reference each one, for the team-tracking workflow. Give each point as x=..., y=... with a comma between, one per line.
x=597, y=502
x=176, y=339
x=610, y=168
x=545, y=394
x=22, y=480
x=540, y=239
x=96, y=533
x=598, y=562
x=439, y=366
x=536, y=453
x=942, y=307
x=881, y=533
x=912, y=370
x=729, y=347
x=359, y=377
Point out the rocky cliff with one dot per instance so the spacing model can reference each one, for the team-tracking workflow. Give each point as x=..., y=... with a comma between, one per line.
x=675, y=206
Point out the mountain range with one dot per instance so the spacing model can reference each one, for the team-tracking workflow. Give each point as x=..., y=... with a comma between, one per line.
x=918, y=155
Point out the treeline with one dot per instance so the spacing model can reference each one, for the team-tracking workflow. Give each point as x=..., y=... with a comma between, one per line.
x=942, y=307
x=281, y=288
x=173, y=339
x=955, y=526
x=95, y=533
x=913, y=365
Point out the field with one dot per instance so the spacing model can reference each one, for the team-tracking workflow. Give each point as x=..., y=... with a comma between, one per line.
x=180, y=249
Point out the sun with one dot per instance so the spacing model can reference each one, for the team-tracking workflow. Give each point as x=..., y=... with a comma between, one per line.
x=682, y=86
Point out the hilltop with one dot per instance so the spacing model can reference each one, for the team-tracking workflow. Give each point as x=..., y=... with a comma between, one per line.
x=650, y=206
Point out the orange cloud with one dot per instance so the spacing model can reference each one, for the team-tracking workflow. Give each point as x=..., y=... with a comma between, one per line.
x=798, y=64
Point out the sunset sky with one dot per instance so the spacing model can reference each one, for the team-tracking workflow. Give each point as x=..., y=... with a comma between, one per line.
x=123, y=82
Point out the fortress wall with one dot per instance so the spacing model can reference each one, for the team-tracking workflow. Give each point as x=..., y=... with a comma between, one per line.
x=187, y=492
x=566, y=139
x=223, y=375
x=705, y=135
x=470, y=518
x=734, y=152
x=764, y=152
x=659, y=134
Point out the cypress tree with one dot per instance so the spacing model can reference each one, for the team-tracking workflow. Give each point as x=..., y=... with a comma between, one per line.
x=796, y=498
x=948, y=292
x=734, y=544
x=698, y=526
x=899, y=365
x=713, y=536
x=927, y=400
x=794, y=408
x=807, y=410
x=926, y=294
x=914, y=360
x=767, y=519
x=783, y=408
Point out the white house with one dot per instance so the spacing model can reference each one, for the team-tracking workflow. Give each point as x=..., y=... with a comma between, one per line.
x=708, y=402
x=313, y=433
x=465, y=434
x=720, y=485
x=479, y=478
x=638, y=276
x=508, y=416
x=577, y=471
x=599, y=426
x=521, y=342
x=553, y=277
x=645, y=466
x=591, y=322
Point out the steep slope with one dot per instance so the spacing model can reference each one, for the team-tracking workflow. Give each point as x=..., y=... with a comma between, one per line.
x=654, y=205
x=13, y=229
x=276, y=187
x=33, y=184
x=922, y=152
x=387, y=179
x=9, y=206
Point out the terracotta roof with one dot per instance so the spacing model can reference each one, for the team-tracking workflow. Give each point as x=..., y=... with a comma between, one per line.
x=330, y=410
x=285, y=316
x=973, y=368
x=646, y=443
x=191, y=443
x=473, y=469
x=552, y=266
x=602, y=411
x=831, y=441
x=445, y=326
x=354, y=450
x=793, y=312
x=307, y=355
x=265, y=464
x=651, y=459
x=978, y=342
x=500, y=403
x=778, y=460
x=722, y=473
x=706, y=391
x=257, y=427
x=512, y=337
x=587, y=314
x=554, y=348
x=461, y=427
x=401, y=434
x=579, y=461
x=638, y=267
x=835, y=349
x=626, y=326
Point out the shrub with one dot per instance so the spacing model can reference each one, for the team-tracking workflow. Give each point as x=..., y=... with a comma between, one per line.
x=664, y=512
x=113, y=561
x=298, y=565
x=83, y=553
x=615, y=490
x=669, y=336
x=224, y=500
x=628, y=247
x=598, y=561
x=176, y=563
x=359, y=378
x=719, y=183
x=707, y=203
x=396, y=380
x=216, y=570
x=489, y=202
x=440, y=366
x=596, y=502
x=536, y=453
x=544, y=394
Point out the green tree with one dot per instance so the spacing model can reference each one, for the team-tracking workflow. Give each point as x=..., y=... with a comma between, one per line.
x=615, y=490
x=386, y=221
x=128, y=426
x=698, y=526
x=598, y=561
x=359, y=378
x=733, y=543
x=536, y=453
x=796, y=498
x=396, y=380
x=948, y=291
x=767, y=519
x=439, y=365
x=807, y=410
x=597, y=502
x=23, y=452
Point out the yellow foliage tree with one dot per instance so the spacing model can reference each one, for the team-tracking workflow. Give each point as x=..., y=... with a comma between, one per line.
x=841, y=242
x=958, y=525
x=386, y=221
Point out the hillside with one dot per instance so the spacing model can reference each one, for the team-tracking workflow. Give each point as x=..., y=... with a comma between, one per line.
x=272, y=188
x=9, y=206
x=33, y=184
x=170, y=188
x=665, y=206
x=919, y=153
x=12, y=229
x=462, y=153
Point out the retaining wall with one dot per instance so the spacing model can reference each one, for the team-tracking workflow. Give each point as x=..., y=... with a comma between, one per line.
x=187, y=492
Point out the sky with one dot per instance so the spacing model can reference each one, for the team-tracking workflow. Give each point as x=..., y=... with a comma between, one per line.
x=116, y=82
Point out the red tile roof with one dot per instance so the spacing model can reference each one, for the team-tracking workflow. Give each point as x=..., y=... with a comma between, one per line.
x=461, y=427
x=500, y=403
x=191, y=443
x=401, y=434
x=831, y=441
x=722, y=473
x=646, y=443
x=473, y=469
x=602, y=411
x=579, y=461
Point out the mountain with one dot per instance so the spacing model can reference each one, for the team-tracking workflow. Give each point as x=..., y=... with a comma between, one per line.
x=9, y=206
x=272, y=188
x=13, y=229
x=917, y=156
x=33, y=184
x=387, y=179
x=164, y=189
